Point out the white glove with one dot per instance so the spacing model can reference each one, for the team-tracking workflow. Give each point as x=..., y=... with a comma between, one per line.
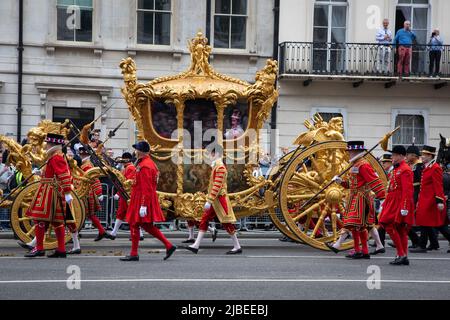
x=404, y=212
x=207, y=205
x=116, y=197
x=143, y=212
x=440, y=206
x=337, y=179
x=100, y=198
x=37, y=172
x=68, y=198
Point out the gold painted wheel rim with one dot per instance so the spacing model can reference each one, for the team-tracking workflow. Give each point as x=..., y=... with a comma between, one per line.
x=23, y=226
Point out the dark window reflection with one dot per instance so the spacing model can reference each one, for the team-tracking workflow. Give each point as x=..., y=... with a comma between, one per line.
x=200, y=115
x=235, y=120
x=164, y=118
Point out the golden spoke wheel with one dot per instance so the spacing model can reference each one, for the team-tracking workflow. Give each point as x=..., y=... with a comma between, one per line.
x=304, y=175
x=23, y=226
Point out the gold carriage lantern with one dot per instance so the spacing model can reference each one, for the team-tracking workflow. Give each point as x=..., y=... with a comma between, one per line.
x=181, y=114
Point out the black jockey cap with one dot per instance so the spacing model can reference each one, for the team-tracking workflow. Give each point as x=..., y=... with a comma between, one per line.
x=387, y=157
x=399, y=150
x=54, y=138
x=414, y=150
x=429, y=150
x=125, y=158
x=356, y=146
x=142, y=146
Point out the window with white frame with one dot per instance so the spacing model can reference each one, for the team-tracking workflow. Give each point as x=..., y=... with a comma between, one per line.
x=153, y=22
x=330, y=26
x=230, y=24
x=412, y=130
x=74, y=20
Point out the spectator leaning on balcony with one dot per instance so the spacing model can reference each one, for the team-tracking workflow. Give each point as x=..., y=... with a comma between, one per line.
x=435, y=46
x=384, y=39
x=404, y=38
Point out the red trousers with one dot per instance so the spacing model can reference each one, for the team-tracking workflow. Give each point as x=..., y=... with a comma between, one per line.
x=208, y=216
x=399, y=235
x=96, y=222
x=40, y=229
x=360, y=237
x=151, y=229
x=404, y=59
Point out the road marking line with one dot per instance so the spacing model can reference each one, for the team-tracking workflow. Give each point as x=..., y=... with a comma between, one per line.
x=226, y=280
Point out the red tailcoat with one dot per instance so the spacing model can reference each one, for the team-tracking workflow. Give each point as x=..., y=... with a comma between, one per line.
x=49, y=203
x=93, y=205
x=143, y=193
x=400, y=196
x=360, y=211
x=431, y=193
x=129, y=173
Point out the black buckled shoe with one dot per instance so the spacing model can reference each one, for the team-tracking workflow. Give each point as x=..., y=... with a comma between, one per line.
x=188, y=241
x=35, y=253
x=194, y=250
x=107, y=235
x=25, y=246
x=397, y=261
x=214, y=235
x=170, y=252
x=76, y=251
x=112, y=237
x=130, y=258
x=354, y=255
x=330, y=246
x=238, y=251
x=57, y=254
x=100, y=237
x=378, y=251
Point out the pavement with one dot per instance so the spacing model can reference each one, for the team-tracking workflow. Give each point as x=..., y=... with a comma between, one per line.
x=267, y=269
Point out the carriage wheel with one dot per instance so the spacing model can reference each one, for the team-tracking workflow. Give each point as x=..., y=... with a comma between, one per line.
x=23, y=226
x=306, y=173
x=275, y=175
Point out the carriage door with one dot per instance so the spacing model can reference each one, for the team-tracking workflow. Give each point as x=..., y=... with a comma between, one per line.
x=330, y=25
x=416, y=11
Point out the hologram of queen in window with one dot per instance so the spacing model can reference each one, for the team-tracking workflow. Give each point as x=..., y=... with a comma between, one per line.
x=181, y=115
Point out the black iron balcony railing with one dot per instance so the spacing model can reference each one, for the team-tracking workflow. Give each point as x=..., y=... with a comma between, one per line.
x=355, y=59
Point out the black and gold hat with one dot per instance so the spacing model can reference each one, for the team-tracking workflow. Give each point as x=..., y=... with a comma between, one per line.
x=356, y=145
x=387, y=157
x=429, y=150
x=54, y=138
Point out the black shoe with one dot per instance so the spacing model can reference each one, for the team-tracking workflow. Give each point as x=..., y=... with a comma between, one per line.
x=170, y=252
x=448, y=251
x=430, y=248
x=328, y=244
x=354, y=255
x=214, y=235
x=141, y=238
x=57, y=254
x=413, y=246
x=418, y=250
x=76, y=251
x=25, y=246
x=238, y=251
x=284, y=239
x=112, y=237
x=396, y=262
x=375, y=252
x=405, y=261
x=130, y=258
x=35, y=253
x=100, y=237
x=194, y=250
x=107, y=235
x=188, y=241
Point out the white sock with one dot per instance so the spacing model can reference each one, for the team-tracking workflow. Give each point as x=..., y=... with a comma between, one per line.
x=75, y=240
x=116, y=227
x=374, y=234
x=236, y=244
x=200, y=236
x=341, y=239
x=191, y=233
x=141, y=234
x=32, y=242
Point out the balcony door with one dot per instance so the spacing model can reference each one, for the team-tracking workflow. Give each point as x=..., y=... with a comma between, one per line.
x=330, y=27
x=416, y=11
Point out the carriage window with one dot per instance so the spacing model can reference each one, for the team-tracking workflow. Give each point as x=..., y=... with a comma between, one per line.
x=200, y=120
x=412, y=129
x=235, y=120
x=164, y=119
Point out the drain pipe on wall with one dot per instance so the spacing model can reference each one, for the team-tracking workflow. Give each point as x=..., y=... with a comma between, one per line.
x=20, y=73
x=276, y=38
